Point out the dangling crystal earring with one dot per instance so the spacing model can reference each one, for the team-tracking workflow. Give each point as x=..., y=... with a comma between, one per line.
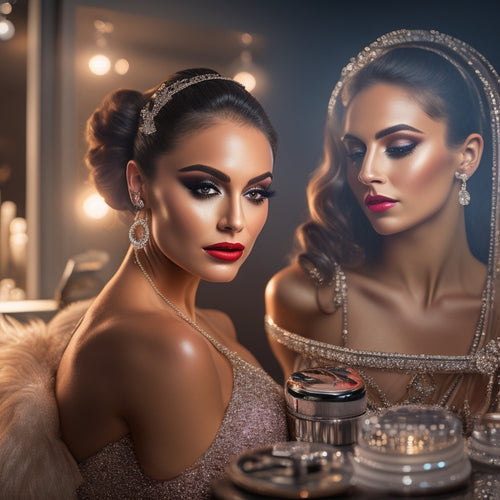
x=141, y=222
x=463, y=194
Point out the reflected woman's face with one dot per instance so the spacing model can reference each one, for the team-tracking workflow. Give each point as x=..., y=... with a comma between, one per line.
x=209, y=198
x=400, y=168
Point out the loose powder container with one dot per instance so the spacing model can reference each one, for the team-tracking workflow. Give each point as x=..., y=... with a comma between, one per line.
x=324, y=405
x=484, y=443
x=410, y=450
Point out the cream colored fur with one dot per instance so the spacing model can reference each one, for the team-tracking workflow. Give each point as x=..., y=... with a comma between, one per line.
x=34, y=461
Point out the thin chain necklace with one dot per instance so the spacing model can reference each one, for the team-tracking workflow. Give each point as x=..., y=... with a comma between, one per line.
x=186, y=318
x=220, y=347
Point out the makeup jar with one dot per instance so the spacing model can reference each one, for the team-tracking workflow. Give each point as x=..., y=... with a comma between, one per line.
x=290, y=469
x=324, y=405
x=484, y=443
x=410, y=450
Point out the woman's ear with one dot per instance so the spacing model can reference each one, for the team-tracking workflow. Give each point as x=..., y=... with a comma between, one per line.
x=471, y=150
x=135, y=177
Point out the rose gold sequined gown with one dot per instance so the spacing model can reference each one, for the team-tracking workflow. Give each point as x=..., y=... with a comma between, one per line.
x=255, y=416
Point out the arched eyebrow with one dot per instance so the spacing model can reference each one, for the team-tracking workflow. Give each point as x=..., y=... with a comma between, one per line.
x=260, y=178
x=209, y=170
x=350, y=137
x=396, y=128
x=385, y=132
x=221, y=175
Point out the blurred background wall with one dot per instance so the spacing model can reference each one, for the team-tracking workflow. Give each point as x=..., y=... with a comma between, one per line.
x=297, y=48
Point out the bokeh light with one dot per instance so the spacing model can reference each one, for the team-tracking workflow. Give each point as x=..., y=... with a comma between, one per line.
x=99, y=64
x=246, y=79
x=95, y=207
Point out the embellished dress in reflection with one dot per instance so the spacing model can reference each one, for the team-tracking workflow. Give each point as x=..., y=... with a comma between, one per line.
x=255, y=416
x=466, y=385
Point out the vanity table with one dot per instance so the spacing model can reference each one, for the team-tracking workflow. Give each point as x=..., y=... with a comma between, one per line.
x=483, y=484
x=403, y=451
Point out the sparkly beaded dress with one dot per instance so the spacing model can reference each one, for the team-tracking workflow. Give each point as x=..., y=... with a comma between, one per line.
x=255, y=416
x=36, y=463
x=448, y=381
x=465, y=384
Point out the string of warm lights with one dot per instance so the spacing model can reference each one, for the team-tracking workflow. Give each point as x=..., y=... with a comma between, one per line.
x=244, y=72
x=100, y=63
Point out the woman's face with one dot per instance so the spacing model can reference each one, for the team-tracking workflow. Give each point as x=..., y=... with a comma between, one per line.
x=209, y=198
x=400, y=168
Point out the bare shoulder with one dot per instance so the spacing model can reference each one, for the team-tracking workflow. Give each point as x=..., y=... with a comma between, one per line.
x=298, y=304
x=129, y=369
x=290, y=290
x=164, y=374
x=292, y=301
x=140, y=344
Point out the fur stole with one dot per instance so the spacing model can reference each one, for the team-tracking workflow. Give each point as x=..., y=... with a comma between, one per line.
x=34, y=461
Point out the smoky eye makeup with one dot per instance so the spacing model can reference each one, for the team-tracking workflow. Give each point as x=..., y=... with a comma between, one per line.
x=401, y=148
x=199, y=185
x=354, y=150
x=259, y=193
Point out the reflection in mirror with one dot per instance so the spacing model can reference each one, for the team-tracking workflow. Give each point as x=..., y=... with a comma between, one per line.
x=396, y=274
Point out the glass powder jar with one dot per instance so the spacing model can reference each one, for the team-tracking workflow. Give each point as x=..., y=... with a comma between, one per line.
x=484, y=443
x=324, y=405
x=410, y=450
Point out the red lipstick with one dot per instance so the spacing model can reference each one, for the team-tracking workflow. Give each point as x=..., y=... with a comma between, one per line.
x=377, y=203
x=225, y=251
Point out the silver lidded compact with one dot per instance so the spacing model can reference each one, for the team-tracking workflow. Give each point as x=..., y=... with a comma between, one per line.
x=324, y=404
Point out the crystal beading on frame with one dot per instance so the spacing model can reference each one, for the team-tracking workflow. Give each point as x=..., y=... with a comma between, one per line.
x=474, y=66
x=164, y=94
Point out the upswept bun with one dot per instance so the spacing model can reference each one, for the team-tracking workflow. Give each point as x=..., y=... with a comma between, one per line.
x=110, y=135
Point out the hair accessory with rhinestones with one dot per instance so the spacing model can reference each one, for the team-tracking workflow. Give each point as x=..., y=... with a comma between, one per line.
x=164, y=94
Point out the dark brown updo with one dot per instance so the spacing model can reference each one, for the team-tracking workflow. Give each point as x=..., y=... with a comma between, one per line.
x=114, y=138
x=110, y=136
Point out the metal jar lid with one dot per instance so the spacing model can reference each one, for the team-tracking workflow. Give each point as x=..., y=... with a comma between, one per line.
x=326, y=393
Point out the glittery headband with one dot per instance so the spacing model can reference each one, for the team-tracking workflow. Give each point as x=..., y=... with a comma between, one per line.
x=462, y=56
x=164, y=94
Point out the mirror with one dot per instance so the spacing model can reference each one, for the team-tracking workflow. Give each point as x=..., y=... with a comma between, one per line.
x=13, y=61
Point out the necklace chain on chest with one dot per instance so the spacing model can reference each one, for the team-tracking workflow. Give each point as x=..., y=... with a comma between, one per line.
x=179, y=313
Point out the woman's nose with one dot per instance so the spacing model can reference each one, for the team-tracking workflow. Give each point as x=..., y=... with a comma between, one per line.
x=232, y=217
x=371, y=170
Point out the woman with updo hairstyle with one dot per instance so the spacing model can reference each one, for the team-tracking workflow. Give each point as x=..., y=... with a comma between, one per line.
x=395, y=269
x=155, y=395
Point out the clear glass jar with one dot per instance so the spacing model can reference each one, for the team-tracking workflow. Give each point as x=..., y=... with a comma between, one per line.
x=410, y=450
x=484, y=443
